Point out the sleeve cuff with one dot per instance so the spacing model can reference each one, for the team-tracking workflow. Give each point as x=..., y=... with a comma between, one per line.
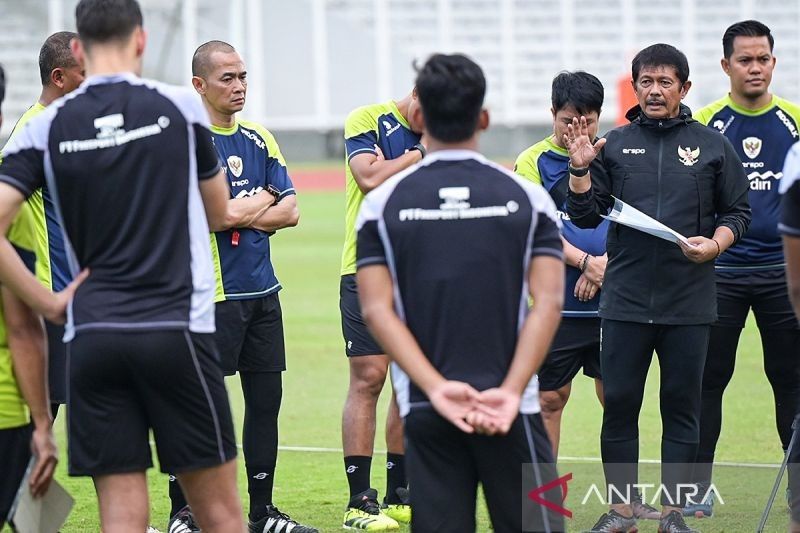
x=736, y=233
x=788, y=230
x=361, y=151
x=552, y=252
x=21, y=187
x=375, y=260
x=288, y=192
x=208, y=174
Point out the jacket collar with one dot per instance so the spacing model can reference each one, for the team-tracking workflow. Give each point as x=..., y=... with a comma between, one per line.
x=636, y=115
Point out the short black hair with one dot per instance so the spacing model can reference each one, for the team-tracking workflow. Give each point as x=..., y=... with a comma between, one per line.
x=103, y=21
x=661, y=55
x=451, y=90
x=201, y=60
x=2, y=87
x=745, y=28
x=56, y=53
x=578, y=89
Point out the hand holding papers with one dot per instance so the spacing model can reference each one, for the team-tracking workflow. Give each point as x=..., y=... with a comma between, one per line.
x=629, y=216
x=45, y=514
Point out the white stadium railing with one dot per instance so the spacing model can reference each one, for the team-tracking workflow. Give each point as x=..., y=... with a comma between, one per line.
x=311, y=61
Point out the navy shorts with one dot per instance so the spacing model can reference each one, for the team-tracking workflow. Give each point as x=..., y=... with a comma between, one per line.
x=357, y=338
x=575, y=346
x=249, y=335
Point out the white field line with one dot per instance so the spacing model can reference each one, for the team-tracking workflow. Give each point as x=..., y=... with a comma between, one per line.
x=567, y=459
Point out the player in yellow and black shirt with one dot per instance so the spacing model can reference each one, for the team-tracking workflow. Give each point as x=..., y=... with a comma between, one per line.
x=25, y=420
x=60, y=74
x=380, y=141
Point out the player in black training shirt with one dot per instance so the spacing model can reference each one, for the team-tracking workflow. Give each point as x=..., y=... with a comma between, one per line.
x=448, y=253
x=134, y=178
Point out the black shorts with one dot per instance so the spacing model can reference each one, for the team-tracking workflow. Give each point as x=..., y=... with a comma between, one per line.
x=250, y=335
x=445, y=465
x=15, y=453
x=357, y=338
x=575, y=346
x=122, y=384
x=765, y=292
x=56, y=363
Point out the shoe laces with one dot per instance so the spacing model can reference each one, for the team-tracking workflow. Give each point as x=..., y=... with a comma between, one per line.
x=674, y=523
x=276, y=513
x=607, y=520
x=189, y=521
x=369, y=506
x=644, y=506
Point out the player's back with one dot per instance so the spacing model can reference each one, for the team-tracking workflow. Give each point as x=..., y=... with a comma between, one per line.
x=460, y=233
x=120, y=157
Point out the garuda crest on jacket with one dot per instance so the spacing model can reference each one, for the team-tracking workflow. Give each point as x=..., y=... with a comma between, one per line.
x=688, y=156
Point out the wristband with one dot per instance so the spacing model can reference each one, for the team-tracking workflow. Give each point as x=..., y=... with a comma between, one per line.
x=584, y=262
x=719, y=250
x=421, y=148
x=578, y=172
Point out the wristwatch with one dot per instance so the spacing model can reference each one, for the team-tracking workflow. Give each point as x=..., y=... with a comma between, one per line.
x=578, y=172
x=273, y=190
x=421, y=148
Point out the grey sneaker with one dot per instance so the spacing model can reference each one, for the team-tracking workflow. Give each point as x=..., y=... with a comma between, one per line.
x=673, y=523
x=703, y=509
x=613, y=522
x=644, y=511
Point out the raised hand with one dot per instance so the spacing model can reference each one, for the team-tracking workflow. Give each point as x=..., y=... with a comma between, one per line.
x=579, y=144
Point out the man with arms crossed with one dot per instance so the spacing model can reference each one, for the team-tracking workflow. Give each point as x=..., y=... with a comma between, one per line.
x=656, y=296
x=248, y=311
x=132, y=169
x=762, y=128
x=448, y=253
x=380, y=140
x=60, y=74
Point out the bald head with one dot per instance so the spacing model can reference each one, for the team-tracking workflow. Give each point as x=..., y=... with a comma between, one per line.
x=201, y=61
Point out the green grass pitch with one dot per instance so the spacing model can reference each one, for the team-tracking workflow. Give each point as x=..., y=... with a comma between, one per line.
x=311, y=486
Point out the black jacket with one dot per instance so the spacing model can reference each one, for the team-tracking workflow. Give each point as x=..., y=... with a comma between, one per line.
x=684, y=175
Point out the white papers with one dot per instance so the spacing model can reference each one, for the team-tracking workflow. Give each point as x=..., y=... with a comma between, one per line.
x=629, y=216
x=45, y=514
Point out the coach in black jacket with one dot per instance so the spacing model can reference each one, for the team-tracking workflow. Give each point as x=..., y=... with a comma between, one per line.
x=656, y=295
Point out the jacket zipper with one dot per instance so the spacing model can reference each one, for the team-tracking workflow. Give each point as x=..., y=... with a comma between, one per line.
x=658, y=217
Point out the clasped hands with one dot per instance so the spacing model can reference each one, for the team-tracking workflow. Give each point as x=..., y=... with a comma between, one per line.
x=489, y=412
